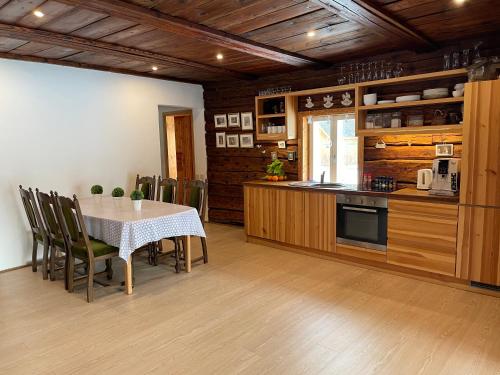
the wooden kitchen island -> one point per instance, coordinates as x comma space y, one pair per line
422, 228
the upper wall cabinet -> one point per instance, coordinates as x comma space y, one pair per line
480, 175
276, 117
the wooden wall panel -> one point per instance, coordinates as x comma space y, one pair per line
236, 96
478, 248
480, 179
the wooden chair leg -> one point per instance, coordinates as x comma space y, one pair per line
90, 282
71, 273
177, 256
204, 247
45, 260
52, 269
66, 270
33, 255
109, 269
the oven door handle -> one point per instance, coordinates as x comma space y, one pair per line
349, 208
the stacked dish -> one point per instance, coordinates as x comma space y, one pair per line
407, 98
436, 93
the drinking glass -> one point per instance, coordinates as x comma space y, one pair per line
382, 72
456, 60
398, 70
363, 76
375, 71
446, 62
388, 71
357, 73
465, 58
351, 74
341, 79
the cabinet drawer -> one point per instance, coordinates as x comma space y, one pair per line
422, 236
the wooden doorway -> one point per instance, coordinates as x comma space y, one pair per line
179, 147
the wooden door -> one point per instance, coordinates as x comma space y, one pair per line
478, 249
480, 173
422, 236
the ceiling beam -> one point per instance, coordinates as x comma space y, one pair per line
73, 64
366, 13
127, 53
180, 26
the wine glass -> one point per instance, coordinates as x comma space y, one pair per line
357, 73
388, 71
351, 74
398, 70
375, 71
342, 77
363, 76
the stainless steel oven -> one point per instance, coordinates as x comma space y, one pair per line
362, 221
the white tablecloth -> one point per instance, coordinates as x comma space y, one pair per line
116, 223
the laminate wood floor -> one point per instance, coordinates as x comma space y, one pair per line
251, 310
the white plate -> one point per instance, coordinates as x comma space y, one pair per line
441, 89
407, 98
386, 101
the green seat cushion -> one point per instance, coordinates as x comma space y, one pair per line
100, 248
168, 193
39, 237
59, 242
194, 197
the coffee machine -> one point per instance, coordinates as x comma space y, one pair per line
445, 176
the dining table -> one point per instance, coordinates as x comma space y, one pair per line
116, 222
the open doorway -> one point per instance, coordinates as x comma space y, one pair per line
179, 146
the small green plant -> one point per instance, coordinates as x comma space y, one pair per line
117, 192
137, 195
275, 168
96, 189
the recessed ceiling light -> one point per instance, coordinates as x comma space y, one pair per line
38, 13
155, 68
220, 56
311, 33
459, 2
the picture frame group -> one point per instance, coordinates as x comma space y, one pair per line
242, 120
233, 140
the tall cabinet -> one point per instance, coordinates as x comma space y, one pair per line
478, 247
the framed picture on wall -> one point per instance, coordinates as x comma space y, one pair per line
246, 140
234, 120
220, 121
220, 140
247, 121
232, 140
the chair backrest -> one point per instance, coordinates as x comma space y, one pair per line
32, 212
167, 190
72, 224
147, 185
195, 195
49, 216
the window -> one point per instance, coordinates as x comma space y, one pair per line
333, 148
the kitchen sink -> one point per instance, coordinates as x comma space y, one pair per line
328, 185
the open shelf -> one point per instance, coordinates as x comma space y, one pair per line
415, 78
273, 115
426, 129
416, 103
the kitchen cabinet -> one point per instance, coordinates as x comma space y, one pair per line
422, 235
478, 249
298, 218
480, 174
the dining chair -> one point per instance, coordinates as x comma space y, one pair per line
195, 195
166, 192
147, 185
80, 246
54, 233
38, 231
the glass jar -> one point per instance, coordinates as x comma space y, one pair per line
396, 120
369, 122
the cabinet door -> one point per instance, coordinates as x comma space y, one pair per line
478, 257
275, 214
422, 236
320, 221
480, 174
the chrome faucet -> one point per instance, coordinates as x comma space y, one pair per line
323, 177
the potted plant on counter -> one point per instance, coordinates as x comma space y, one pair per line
137, 196
117, 192
275, 171
96, 192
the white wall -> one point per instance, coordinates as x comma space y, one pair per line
65, 129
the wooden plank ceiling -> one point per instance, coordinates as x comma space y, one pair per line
256, 37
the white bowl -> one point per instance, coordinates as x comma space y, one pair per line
459, 86
370, 99
386, 101
408, 98
458, 93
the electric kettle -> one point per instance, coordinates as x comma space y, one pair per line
424, 179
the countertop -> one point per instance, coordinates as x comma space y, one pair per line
403, 194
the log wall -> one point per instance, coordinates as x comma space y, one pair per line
229, 168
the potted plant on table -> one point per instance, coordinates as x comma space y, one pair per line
275, 171
137, 196
117, 192
96, 191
